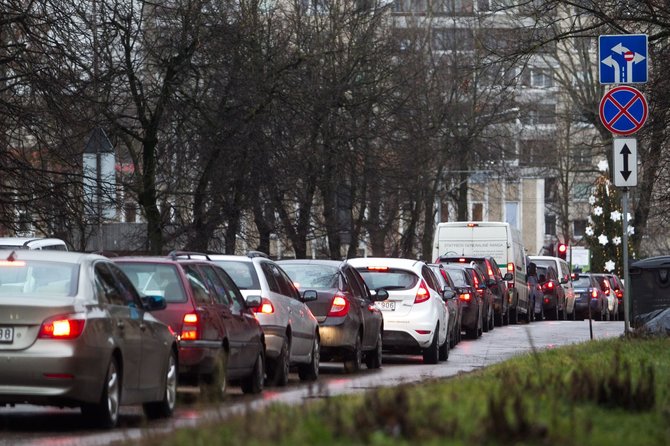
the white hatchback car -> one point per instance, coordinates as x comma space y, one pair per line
291, 330
415, 316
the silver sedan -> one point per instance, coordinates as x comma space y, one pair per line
75, 332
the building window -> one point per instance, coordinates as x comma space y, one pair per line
582, 191
512, 213
541, 78
550, 190
581, 154
579, 228
453, 39
550, 224
457, 7
477, 212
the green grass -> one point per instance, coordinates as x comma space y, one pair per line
600, 393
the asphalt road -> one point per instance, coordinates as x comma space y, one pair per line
31, 425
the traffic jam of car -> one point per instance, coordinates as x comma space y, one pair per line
86, 331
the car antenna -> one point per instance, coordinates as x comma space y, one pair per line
12, 256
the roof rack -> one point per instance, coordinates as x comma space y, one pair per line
188, 254
252, 254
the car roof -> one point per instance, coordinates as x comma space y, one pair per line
27, 241
385, 261
51, 256
313, 262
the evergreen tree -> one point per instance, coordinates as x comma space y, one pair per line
604, 234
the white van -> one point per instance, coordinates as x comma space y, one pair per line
51, 244
489, 239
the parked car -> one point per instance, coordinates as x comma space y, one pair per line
495, 282
472, 303
590, 299
454, 305
291, 330
553, 296
617, 286
220, 339
564, 277
606, 285
35, 243
75, 332
415, 316
350, 323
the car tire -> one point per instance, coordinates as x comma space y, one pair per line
485, 322
355, 360
213, 386
105, 413
373, 358
514, 316
480, 325
280, 367
253, 383
165, 408
310, 371
431, 355
444, 348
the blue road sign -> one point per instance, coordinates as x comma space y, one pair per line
623, 59
623, 110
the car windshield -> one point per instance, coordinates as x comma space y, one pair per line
388, 278
155, 279
458, 277
242, 273
30, 277
581, 282
312, 276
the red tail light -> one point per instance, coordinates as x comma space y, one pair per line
190, 327
265, 307
594, 294
619, 294
63, 327
510, 269
422, 294
462, 260
465, 297
339, 306
548, 287
546, 300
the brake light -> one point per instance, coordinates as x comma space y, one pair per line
472, 225
12, 263
607, 291
619, 294
265, 307
378, 268
549, 286
465, 297
546, 300
296, 285
190, 327
510, 269
422, 294
462, 260
594, 294
62, 327
339, 306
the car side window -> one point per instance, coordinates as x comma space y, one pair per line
237, 302
285, 285
353, 283
270, 277
428, 277
293, 292
217, 286
111, 290
201, 293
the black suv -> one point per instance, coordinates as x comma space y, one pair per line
494, 281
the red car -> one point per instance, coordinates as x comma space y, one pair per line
220, 339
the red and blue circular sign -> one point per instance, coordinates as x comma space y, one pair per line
623, 110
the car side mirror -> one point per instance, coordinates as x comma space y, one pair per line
154, 303
448, 293
508, 276
309, 296
380, 295
254, 301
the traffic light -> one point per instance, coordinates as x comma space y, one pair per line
562, 251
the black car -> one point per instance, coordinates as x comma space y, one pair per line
495, 282
554, 304
452, 301
350, 324
589, 297
472, 304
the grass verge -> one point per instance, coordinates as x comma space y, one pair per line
607, 392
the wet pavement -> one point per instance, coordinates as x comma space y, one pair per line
31, 425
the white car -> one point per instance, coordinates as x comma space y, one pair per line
415, 316
291, 330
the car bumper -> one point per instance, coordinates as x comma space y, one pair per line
469, 318
338, 334
197, 357
274, 339
549, 302
53, 373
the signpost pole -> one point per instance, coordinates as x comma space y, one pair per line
626, 282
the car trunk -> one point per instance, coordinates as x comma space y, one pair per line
400, 284
321, 306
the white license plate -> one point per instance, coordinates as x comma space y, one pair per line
6, 334
387, 306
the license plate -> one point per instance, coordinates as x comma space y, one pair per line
387, 306
6, 334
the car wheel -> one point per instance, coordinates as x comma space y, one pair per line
310, 371
373, 359
491, 320
485, 322
280, 367
444, 349
431, 355
165, 408
353, 363
254, 382
213, 386
480, 325
514, 316
105, 413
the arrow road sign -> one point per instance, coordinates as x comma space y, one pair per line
625, 162
623, 59
623, 110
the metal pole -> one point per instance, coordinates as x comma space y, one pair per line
626, 282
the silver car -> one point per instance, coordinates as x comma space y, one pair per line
291, 330
75, 332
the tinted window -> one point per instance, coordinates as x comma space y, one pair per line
458, 277
357, 291
220, 293
243, 273
285, 285
582, 282
155, 279
390, 279
269, 277
108, 287
198, 285
312, 276
36, 277
237, 302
